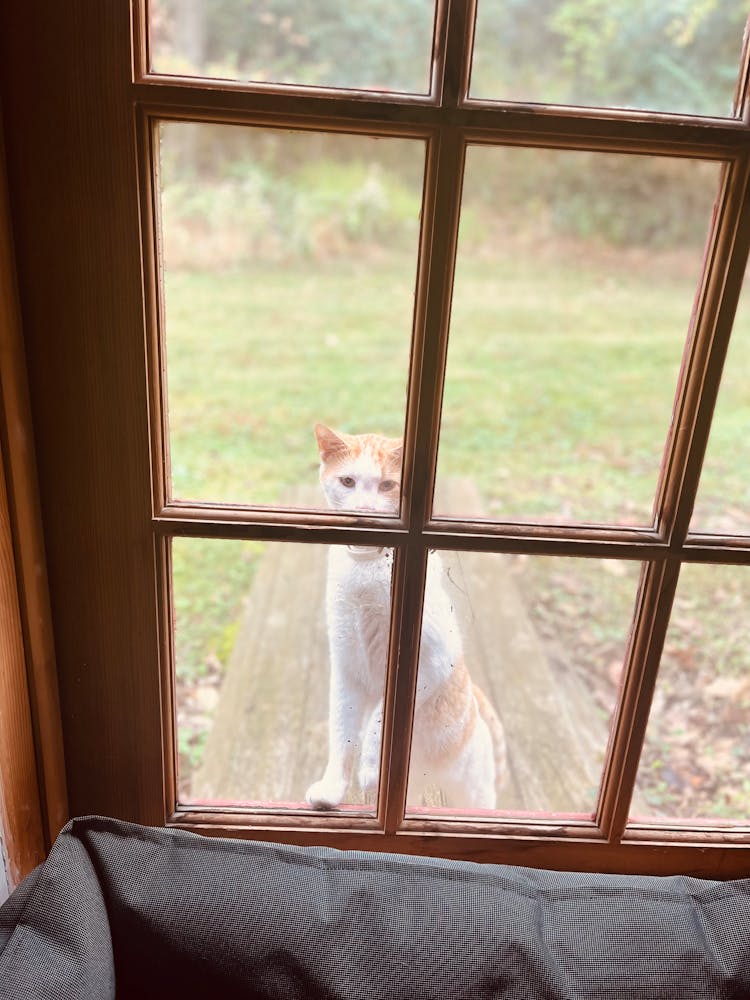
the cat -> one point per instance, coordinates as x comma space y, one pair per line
458, 741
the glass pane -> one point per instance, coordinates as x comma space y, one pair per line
673, 56
252, 652
564, 351
518, 676
696, 758
382, 45
723, 502
288, 281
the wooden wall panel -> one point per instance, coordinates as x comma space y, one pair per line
65, 76
16, 435
20, 815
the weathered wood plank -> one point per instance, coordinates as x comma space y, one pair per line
548, 720
268, 741
269, 738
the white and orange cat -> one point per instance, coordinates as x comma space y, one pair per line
458, 742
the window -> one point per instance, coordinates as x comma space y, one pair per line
538, 296
547, 388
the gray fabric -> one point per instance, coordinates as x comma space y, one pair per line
162, 912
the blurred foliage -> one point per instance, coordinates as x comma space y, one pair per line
675, 55
383, 45
230, 195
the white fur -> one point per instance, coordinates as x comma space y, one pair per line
358, 606
358, 614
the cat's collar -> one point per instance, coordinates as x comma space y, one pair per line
365, 553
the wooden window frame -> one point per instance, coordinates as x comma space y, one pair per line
118, 99
448, 121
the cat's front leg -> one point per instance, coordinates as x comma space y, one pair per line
345, 711
369, 761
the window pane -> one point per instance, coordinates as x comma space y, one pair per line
252, 665
289, 270
723, 502
524, 652
383, 45
668, 56
696, 758
564, 350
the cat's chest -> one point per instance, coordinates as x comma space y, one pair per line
360, 580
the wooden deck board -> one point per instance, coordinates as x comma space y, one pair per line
269, 737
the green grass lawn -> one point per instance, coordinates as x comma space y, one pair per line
561, 379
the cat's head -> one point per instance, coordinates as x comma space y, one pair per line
360, 472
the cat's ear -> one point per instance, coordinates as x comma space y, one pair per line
397, 449
330, 443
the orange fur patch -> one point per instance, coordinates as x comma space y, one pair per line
451, 715
336, 448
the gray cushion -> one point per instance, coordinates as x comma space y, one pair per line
158, 912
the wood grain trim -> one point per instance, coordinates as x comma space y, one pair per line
21, 827
475, 536
458, 52
689, 832
734, 549
141, 44
17, 441
651, 619
713, 328
409, 572
293, 119
439, 45
742, 95
648, 857
531, 123
72, 176
547, 541
442, 201
167, 661
147, 152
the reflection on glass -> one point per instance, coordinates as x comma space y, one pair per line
565, 350
723, 502
519, 670
680, 57
279, 689
289, 269
383, 45
696, 758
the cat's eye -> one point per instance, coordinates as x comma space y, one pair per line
347, 481
387, 485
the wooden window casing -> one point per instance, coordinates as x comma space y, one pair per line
447, 133
135, 697
33, 805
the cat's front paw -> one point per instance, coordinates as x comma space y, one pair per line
325, 794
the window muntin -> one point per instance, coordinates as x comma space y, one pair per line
695, 763
564, 353
447, 128
682, 58
289, 261
383, 45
